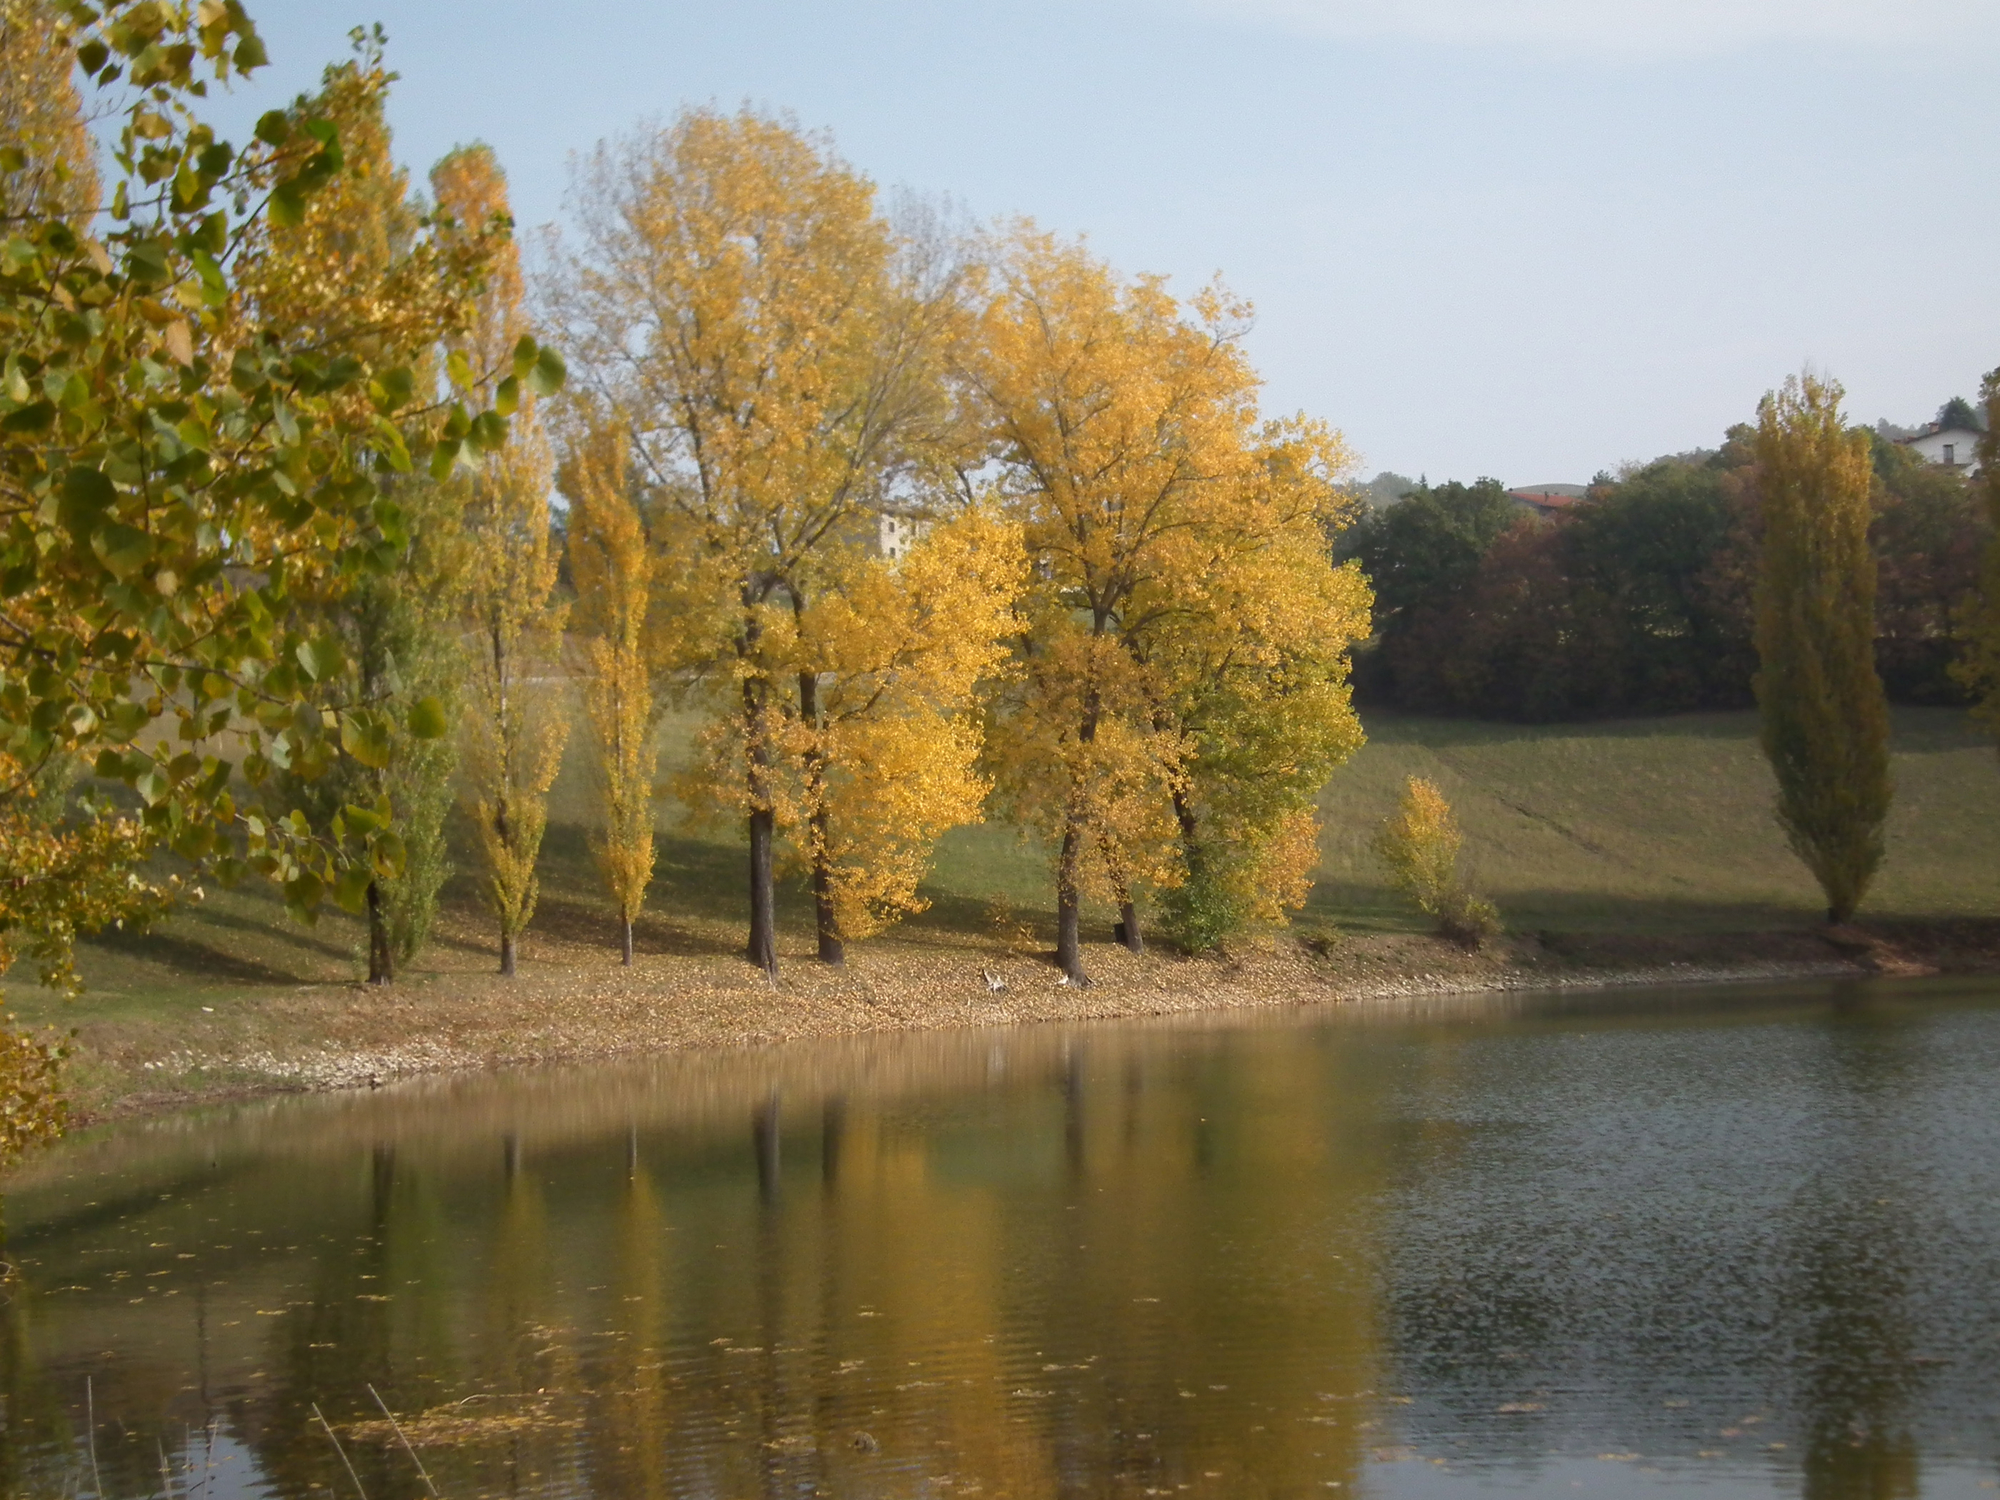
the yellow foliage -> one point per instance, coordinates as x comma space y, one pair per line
774, 352
514, 730
362, 270
1182, 689
1419, 846
612, 570
41, 115
1119, 421
888, 764
61, 880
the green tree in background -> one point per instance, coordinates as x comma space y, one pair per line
1961, 413
1825, 717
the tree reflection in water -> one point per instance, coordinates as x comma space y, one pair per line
1260, 1260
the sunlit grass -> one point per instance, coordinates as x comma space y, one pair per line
1652, 826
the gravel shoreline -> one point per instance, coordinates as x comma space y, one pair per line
331, 1037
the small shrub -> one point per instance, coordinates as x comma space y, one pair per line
1201, 912
1419, 845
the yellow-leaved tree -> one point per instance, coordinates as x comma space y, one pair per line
1255, 671
886, 759
1418, 846
774, 348
611, 567
514, 728
1184, 621
41, 117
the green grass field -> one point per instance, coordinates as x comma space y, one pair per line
1653, 826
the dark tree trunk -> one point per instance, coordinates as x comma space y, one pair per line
381, 957
1069, 956
625, 935
832, 947
763, 948
507, 955
1128, 927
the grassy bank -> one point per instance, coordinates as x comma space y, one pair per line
1606, 846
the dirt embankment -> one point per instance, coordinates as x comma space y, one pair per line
346, 1036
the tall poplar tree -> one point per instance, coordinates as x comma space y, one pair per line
774, 352
514, 729
1825, 717
612, 567
342, 273
41, 117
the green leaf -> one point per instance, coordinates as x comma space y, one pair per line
361, 820
524, 357
37, 418
123, 549
427, 719
250, 53
86, 496
13, 159
273, 129
388, 856
459, 369
507, 397
550, 372
489, 432
366, 739
443, 457
288, 205
319, 658
351, 890
303, 895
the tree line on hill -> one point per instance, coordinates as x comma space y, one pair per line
1640, 598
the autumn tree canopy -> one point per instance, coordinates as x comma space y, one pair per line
1183, 601
773, 349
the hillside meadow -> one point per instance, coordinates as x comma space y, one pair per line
1649, 827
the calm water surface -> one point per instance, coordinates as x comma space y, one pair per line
1743, 1241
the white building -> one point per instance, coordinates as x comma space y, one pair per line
896, 532
1955, 448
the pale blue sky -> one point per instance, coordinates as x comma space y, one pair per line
1526, 238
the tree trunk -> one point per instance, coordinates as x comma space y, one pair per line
381, 957
506, 954
763, 947
832, 947
1128, 927
1069, 956
625, 935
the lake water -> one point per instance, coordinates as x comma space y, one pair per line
1739, 1240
